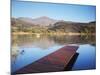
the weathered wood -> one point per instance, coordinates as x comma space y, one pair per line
56, 61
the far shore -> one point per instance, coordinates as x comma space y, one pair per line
58, 33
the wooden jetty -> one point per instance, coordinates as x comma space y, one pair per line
53, 62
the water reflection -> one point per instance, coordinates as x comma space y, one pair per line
33, 41
48, 41
86, 59
29, 48
14, 52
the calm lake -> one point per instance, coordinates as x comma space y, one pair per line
30, 48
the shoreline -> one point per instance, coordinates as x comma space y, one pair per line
27, 33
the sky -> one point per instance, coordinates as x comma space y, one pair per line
67, 12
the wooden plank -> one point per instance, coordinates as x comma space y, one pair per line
53, 62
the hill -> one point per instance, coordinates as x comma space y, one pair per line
45, 24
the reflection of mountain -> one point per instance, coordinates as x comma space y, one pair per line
49, 41
33, 41
74, 39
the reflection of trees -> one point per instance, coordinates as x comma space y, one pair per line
32, 40
14, 52
74, 39
45, 41
91, 39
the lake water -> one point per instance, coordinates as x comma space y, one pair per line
30, 48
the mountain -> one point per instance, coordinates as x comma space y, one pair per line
65, 26
24, 22
43, 21
45, 24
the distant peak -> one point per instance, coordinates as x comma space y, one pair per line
24, 18
44, 17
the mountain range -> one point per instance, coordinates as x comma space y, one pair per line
52, 24
44, 21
